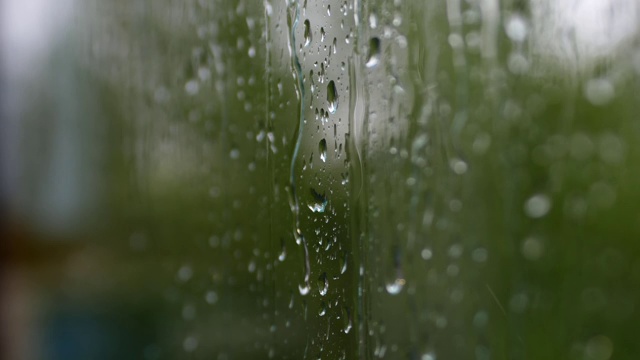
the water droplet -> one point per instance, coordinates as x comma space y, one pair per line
516, 28
304, 289
283, 253
332, 97
395, 286
319, 203
343, 263
518, 63
192, 87
322, 148
307, 32
599, 348
373, 57
190, 344
346, 318
211, 297
458, 166
599, 91
519, 303
185, 273
537, 206
189, 312
373, 21
323, 284
480, 255
532, 248
428, 356
323, 309
481, 319
322, 34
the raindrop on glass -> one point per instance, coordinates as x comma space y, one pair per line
537, 206
322, 148
307, 33
516, 28
373, 57
395, 286
532, 248
599, 92
323, 284
332, 97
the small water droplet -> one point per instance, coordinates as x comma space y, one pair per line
190, 344
322, 148
343, 263
428, 356
185, 273
211, 297
537, 206
346, 318
480, 255
458, 166
307, 32
322, 34
323, 309
373, 57
373, 21
599, 92
332, 97
395, 286
532, 248
323, 284
283, 253
516, 28
304, 289
599, 348
519, 303
192, 87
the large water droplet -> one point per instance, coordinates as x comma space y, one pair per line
319, 203
373, 57
323, 284
322, 148
307, 32
332, 97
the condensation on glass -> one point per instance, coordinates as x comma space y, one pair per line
351, 179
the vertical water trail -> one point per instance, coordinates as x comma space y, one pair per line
295, 205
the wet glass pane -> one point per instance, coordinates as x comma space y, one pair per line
306, 179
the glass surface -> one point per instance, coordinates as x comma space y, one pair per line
306, 179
